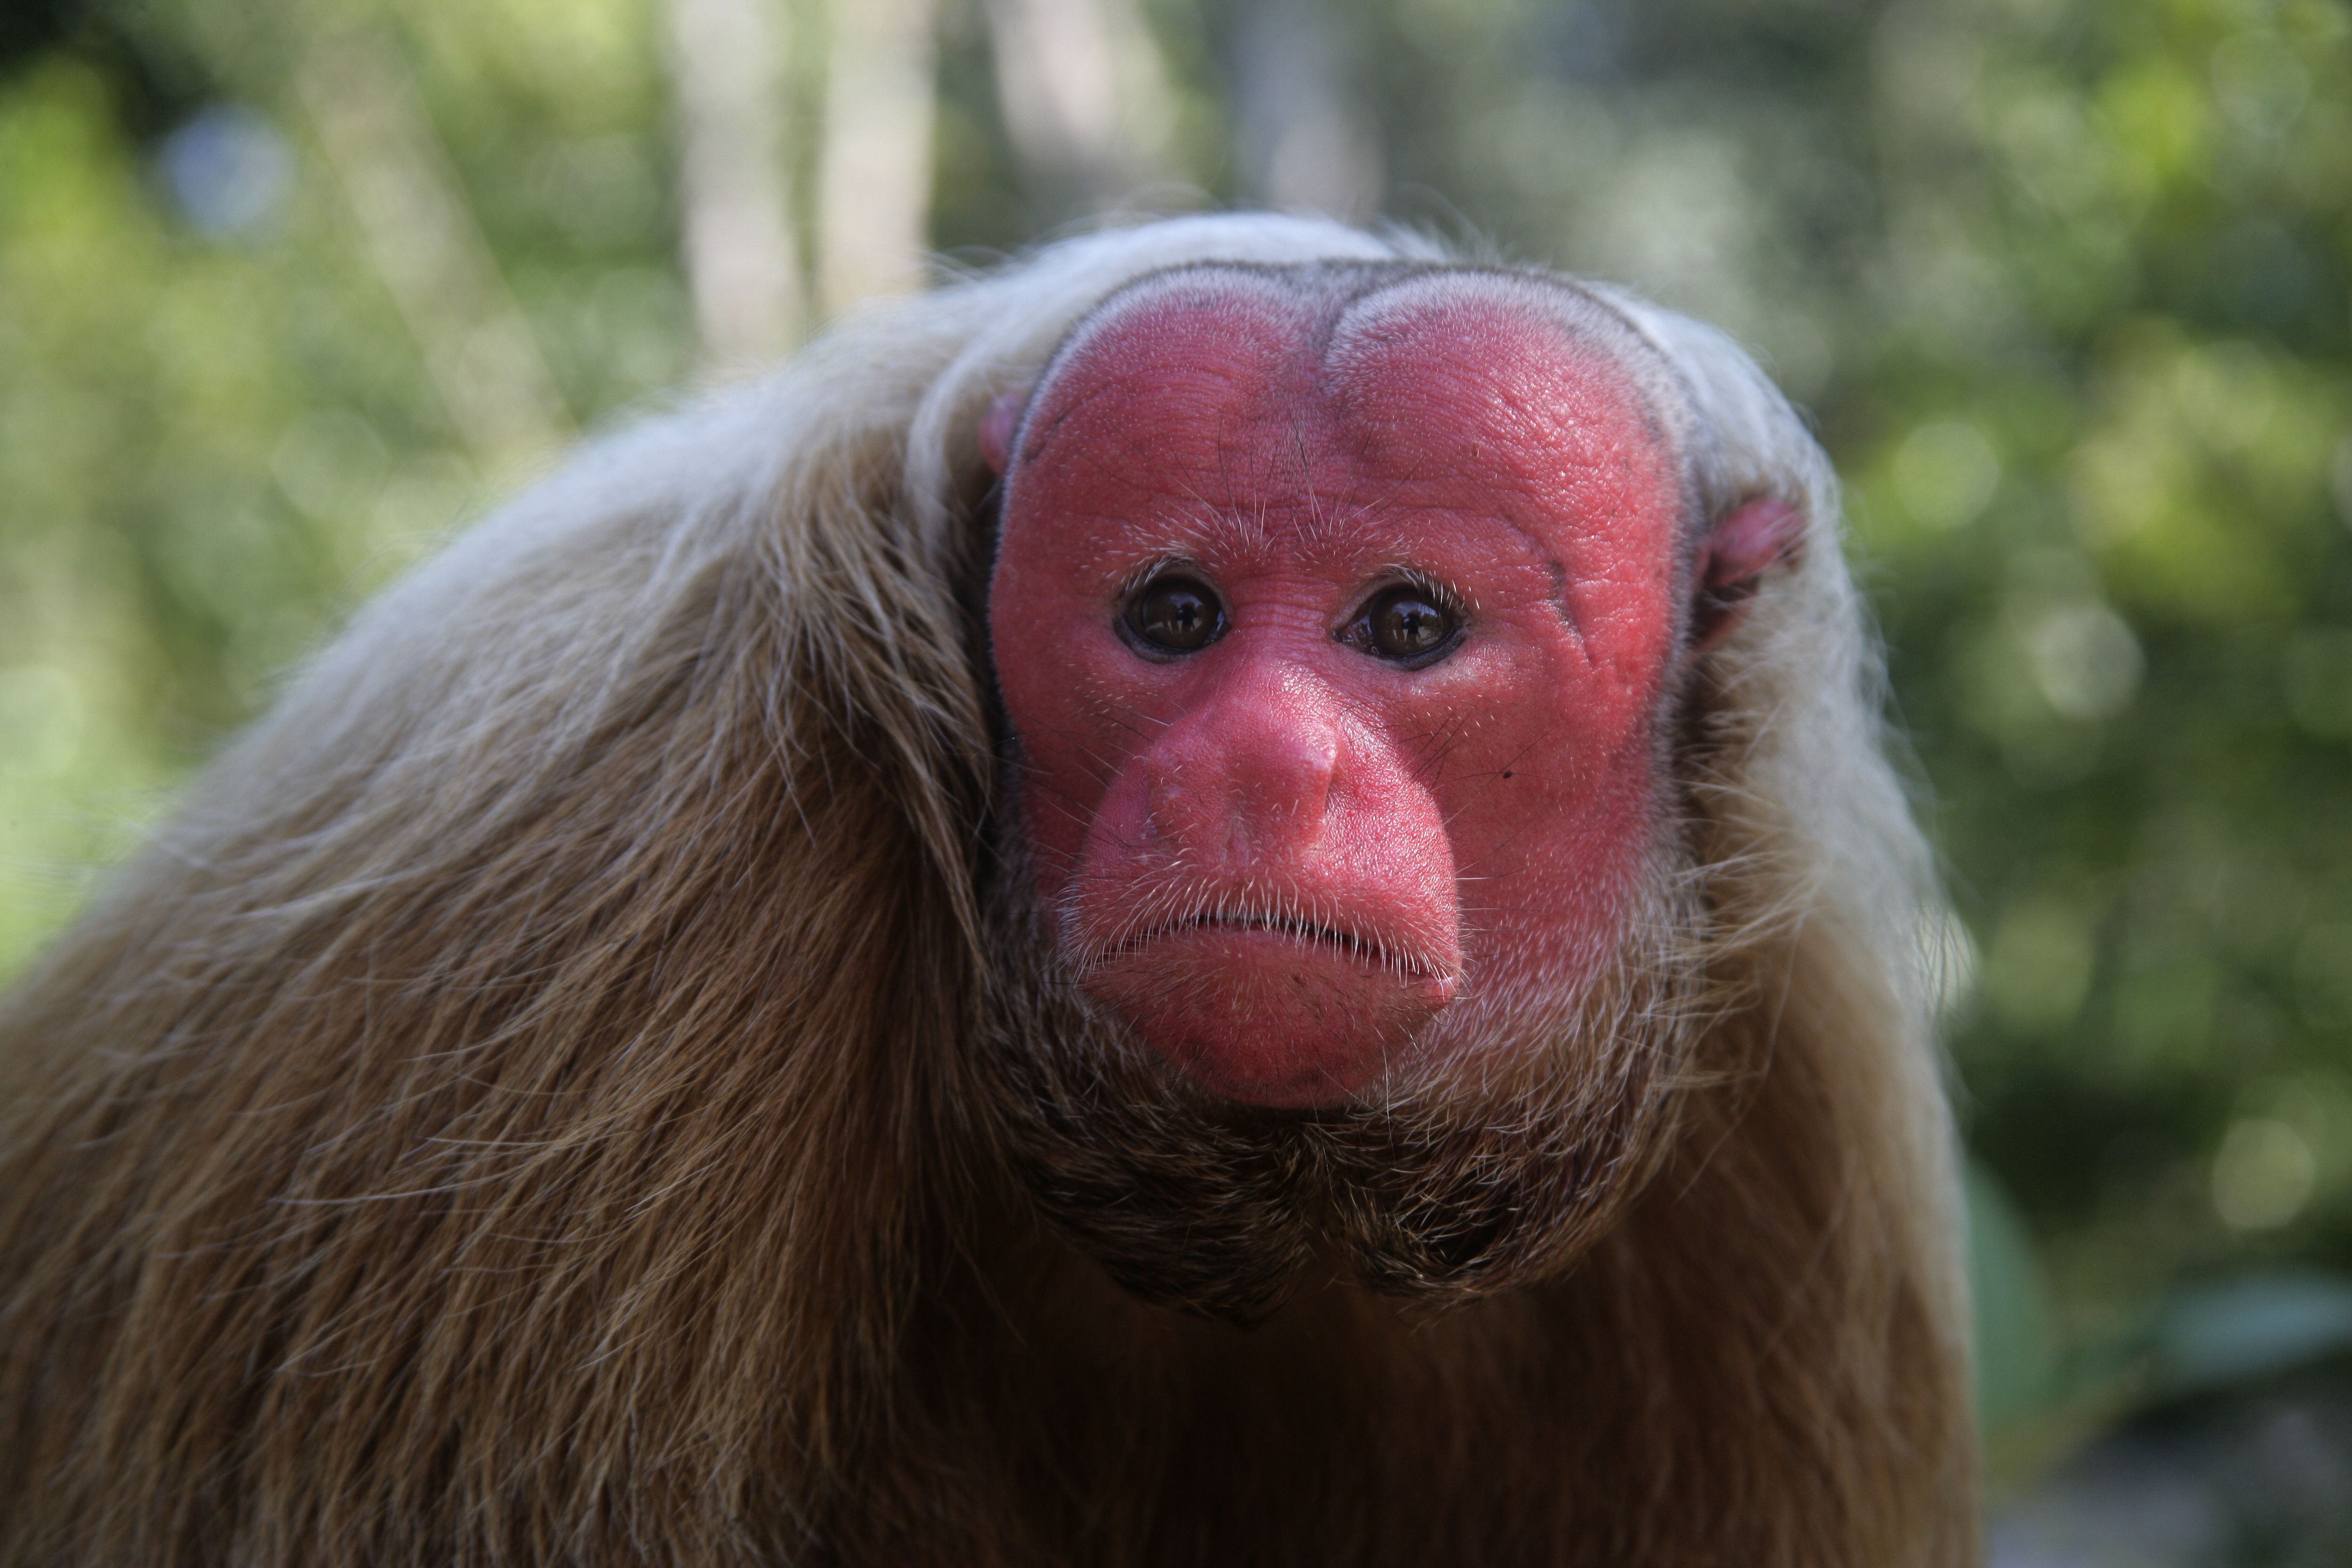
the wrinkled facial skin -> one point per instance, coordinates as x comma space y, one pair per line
1291, 863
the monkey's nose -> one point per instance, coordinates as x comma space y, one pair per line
1246, 781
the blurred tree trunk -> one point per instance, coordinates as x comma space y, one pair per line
727, 61
1302, 141
875, 167
1085, 96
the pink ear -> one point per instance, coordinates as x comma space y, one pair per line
998, 427
1735, 553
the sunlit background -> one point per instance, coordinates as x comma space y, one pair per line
287, 290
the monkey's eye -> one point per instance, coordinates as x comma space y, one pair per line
1405, 624
1175, 615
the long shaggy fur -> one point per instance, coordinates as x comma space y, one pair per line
542, 1098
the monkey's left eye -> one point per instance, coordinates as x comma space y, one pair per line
1175, 615
1407, 625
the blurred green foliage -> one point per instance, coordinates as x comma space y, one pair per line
215, 433
2066, 283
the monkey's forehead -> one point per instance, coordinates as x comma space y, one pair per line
1247, 387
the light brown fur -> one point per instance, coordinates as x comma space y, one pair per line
522, 1111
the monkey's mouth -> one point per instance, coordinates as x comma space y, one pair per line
1398, 959
1346, 943
1268, 1006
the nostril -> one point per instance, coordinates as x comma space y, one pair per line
1166, 804
1247, 789
1293, 778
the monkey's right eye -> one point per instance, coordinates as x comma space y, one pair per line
1175, 615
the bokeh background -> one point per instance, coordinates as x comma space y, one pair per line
290, 289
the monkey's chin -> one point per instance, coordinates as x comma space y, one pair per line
1268, 1017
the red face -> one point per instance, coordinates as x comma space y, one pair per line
1333, 640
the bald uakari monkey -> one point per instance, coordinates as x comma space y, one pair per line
1229, 898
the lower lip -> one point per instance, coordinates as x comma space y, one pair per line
1271, 1016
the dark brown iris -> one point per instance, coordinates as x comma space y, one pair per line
1406, 624
1176, 615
